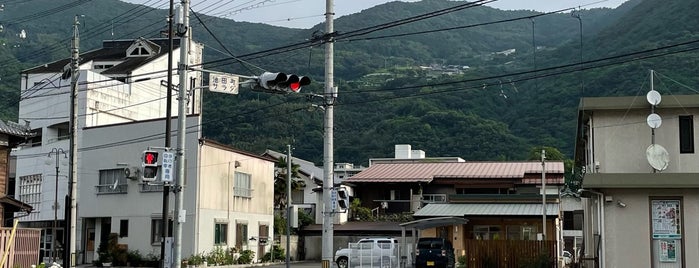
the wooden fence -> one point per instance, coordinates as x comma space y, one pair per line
509, 253
23, 251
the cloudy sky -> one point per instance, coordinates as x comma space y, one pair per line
306, 13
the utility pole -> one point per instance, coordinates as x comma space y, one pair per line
168, 137
328, 180
182, 121
543, 193
288, 204
68, 259
57, 152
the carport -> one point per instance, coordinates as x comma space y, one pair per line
418, 225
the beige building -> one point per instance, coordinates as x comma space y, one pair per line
639, 184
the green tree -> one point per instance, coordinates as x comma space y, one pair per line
280, 182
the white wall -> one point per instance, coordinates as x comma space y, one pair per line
217, 203
106, 147
622, 137
628, 229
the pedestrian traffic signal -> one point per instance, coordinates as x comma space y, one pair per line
342, 198
150, 165
281, 82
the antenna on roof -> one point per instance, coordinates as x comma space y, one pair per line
657, 156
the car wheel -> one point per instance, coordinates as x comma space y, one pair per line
342, 262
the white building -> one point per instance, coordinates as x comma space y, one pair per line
121, 106
640, 201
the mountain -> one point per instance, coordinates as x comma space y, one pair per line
441, 84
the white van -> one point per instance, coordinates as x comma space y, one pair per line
379, 252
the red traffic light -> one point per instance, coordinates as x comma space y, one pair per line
281, 82
150, 158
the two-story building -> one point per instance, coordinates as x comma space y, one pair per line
639, 177
121, 110
498, 201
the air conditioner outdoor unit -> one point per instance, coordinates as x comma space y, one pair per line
131, 172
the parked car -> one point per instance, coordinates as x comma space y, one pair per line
434, 252
379, 252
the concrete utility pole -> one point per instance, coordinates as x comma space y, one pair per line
543, 193
180, 214
168, 137
56, 152
288, 205
68, 260
328, 180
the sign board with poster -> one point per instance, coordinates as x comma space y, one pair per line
666, 233
666, 219
668, 251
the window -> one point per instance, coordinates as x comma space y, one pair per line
123, 228
486, 232
156, 230
241, 235
30, 190
572, 220
36, 140
63, 131
521, 232
221, 234
686, 134
242, 185
112, 181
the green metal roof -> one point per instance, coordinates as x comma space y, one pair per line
460, 210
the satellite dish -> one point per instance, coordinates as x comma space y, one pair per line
654, 120
657, 156
653, 97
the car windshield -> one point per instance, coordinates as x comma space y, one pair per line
429, 244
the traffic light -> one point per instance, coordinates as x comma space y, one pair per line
282, 83
343, 198
150, 165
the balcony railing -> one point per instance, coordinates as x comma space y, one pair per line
112, 188
147, 188
434, 198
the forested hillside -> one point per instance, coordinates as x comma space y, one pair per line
467, 83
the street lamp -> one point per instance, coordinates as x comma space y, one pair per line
56, 152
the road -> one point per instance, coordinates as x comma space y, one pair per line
301, 264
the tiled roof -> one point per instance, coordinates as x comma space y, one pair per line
111, 50
426, 172
15, 129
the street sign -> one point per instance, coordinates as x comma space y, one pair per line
168, 167
333, 199
223, 83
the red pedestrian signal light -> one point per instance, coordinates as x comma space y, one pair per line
150, 158
150, 165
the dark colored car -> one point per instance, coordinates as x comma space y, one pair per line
434, 252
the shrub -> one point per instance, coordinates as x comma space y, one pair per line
217, 256
246, 256
196, 259
279, 254
134, 258
462, 261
